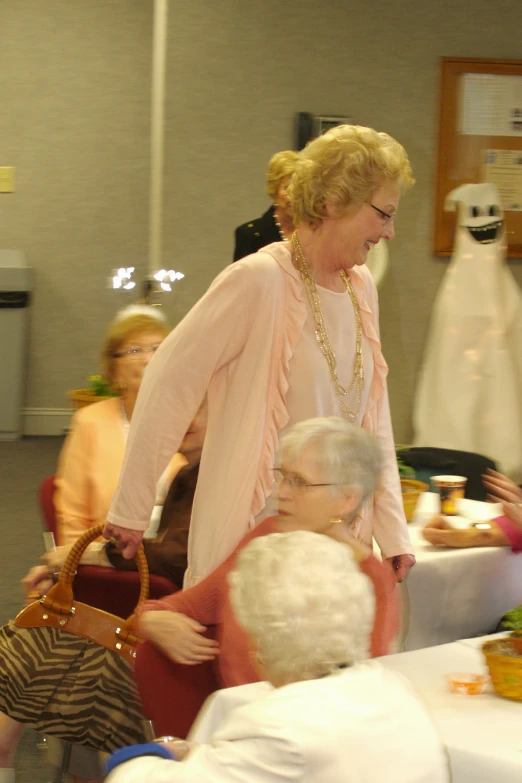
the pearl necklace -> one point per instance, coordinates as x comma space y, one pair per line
278, 225
322, 334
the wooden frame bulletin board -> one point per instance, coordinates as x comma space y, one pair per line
479, 114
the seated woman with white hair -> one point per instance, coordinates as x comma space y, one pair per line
324, 713
329, 470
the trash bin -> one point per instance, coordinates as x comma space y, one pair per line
15, 294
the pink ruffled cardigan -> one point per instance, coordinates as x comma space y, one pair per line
236, 344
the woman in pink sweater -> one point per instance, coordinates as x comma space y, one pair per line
284, 335
329, 468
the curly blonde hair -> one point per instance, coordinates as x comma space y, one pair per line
280, 165
344, 167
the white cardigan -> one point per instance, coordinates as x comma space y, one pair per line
361, 725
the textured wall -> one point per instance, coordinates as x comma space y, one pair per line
75, 86
75, 78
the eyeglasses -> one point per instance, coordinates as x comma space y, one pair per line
386, 218
296, 482
136, 351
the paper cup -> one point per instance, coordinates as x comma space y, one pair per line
450, 489
468, 684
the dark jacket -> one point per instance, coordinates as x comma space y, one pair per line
252, 236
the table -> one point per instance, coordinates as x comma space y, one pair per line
457, 593
482, 734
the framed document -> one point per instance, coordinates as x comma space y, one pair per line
480, 140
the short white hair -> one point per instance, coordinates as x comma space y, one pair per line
303, 599
348, 455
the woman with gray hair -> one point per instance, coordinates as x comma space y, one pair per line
328, 470
283, 335
323, 714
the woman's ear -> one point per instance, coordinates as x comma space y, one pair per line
351, 499
329, 210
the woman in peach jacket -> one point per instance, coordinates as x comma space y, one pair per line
283, 335
91, 458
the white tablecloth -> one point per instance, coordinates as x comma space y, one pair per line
482, 734
456, 593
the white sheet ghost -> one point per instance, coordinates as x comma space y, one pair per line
469, 394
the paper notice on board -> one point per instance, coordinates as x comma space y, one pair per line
504, 169
490, 105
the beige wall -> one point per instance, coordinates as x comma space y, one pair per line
75, 79
74, 119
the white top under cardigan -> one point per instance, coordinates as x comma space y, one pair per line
311, 391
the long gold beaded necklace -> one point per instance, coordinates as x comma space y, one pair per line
322, 335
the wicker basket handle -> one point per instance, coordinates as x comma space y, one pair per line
60, 597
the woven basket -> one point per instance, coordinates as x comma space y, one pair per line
505, 670
411, 491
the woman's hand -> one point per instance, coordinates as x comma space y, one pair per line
55, 558
126, 540
37, 582
439, 532
400, 565
178, 747
40, 578
179, 637
501, 488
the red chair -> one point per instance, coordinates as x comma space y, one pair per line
105, 588
171, 694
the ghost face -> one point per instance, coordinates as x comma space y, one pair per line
484, 222
480, 211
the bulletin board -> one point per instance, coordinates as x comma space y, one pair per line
480, 140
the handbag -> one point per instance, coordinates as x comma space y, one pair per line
66, 667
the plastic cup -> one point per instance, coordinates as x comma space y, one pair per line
468, 684
450, 489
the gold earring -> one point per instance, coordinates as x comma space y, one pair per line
337, 521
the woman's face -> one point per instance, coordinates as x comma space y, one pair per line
352, 236
281, 196
133, 357
303, 506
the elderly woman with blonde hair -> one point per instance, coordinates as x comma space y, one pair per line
88, 469
286, 334
324, 713
277, 222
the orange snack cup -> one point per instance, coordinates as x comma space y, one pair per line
467, 683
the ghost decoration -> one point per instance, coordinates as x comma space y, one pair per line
469, 394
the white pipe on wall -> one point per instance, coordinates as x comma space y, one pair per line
157, 133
